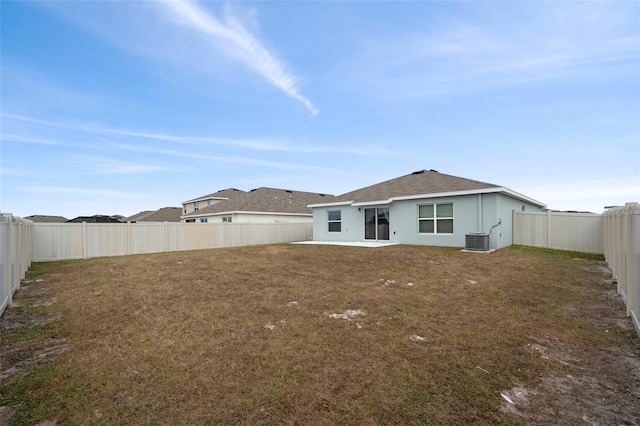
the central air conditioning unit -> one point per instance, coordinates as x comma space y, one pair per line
477, 241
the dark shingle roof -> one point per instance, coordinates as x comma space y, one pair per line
139, 216
98, 218
46, 219
165, 214
417, 183
265, 200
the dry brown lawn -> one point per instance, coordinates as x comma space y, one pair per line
258, 335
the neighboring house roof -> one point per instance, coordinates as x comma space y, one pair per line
222, 194
420, 184
165, 214
139, 216
98, 218
262, 200
46, 219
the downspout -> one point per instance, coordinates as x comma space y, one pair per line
499, 223
480, 218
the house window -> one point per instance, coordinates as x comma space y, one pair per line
226, 219
335, 220
435, 219
190, 220
204, 220
196, 205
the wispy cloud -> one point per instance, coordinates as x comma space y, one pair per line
44, 189
244, 45
108, 166
249, 143
23, 139
462, 57
223, 159
591, 193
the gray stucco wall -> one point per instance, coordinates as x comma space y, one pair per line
472, 213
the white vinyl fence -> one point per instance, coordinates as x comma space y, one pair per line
562, 231
15, 255
622, 253
57, 241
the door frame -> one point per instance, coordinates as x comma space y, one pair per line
376, 224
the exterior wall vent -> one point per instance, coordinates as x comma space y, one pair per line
477, 241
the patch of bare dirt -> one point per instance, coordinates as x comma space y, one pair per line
20, 356
591, 386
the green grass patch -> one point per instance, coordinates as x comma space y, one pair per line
560, 254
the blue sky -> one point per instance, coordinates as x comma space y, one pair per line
114, 107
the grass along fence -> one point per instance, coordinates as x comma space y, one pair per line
622, 253
562, 231
58, 241
15, 255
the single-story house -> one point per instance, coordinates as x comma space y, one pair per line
98, 218
165, 214
423, 207
260, 205
40, 218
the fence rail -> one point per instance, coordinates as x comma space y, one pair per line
15, 255
622, 253
58, 241
563, 231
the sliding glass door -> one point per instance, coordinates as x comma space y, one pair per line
376, 223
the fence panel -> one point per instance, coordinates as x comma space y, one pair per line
622, 253
563, 231
76, 241
105, 239
53, 241
15, 255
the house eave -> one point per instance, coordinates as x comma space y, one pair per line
190, 216
204, 199
492, 190
338, 203
374, 203
498, 189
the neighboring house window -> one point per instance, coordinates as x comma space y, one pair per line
435, 219
335, 220
226, 219
196, 206
190, 220
204, 220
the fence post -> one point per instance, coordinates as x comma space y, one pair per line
84, 240
629, 255
549, 229
129, 237
6, 259
166, 236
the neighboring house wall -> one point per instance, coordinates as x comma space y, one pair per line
243, 217
190, 207
471, 213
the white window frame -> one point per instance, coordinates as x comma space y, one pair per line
435, 219
196, 206
338, 221
227, 219
204, 220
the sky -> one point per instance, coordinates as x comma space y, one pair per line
115, 107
